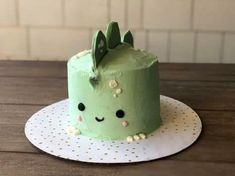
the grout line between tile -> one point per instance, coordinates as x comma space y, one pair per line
222, 48
108, 10
133, 31
90, 36
141, 14
147, 40
195, 43
63, 12
125, 14
168, 49
192, 14
28, 41
138, 29
17, 12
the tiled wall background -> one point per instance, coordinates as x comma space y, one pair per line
175, 30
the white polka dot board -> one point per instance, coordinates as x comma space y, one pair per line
46, 129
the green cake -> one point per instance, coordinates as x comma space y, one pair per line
114, 89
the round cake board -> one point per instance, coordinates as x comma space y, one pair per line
180, 128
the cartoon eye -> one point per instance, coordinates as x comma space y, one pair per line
81, 107
120, 113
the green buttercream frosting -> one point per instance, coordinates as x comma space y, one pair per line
120, 95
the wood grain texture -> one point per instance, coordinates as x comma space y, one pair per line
201, 95
33, 69
17, 114
32, 90
199, 72
46, 165
26, 87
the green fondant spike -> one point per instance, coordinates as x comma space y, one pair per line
99, 48
113, 35
128, 38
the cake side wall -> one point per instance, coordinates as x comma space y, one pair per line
139, 99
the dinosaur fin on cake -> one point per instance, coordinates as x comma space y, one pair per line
98, 48
113, 35
128, 38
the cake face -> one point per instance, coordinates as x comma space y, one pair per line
116, 95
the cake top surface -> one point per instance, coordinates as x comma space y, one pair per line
123, 57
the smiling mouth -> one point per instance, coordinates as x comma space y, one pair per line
99, 119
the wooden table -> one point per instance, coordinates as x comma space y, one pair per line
26, 87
